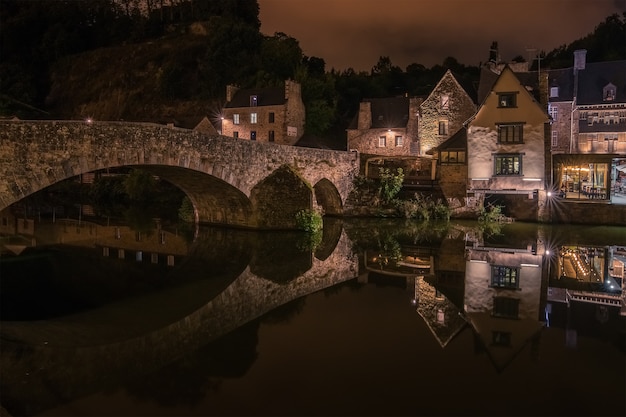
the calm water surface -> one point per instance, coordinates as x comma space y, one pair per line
376, 318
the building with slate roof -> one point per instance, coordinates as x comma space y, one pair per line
385, 126
265, 114
587, 104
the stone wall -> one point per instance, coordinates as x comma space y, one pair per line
218, 173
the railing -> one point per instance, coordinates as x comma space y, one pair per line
595, 298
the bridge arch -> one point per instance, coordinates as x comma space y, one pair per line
227, 179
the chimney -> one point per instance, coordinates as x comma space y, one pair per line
580, 58
231, 90
365, 115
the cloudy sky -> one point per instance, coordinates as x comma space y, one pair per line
355, 33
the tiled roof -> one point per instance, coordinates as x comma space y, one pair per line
564, 80
265, 97
596, 76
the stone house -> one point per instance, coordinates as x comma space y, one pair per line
443, 112
385, 126
587, 105
506, 148
264, 114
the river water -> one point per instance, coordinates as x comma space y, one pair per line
375, 317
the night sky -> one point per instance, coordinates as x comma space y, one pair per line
355, 33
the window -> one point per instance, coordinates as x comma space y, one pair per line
553, 111
235, 119
504, 276
555, 138
443, 127
236, 135
507, 99
445, 102
382, 141
398, 140
253, 117
499, 338
608, 92
554, 91
253, 101
508, 165
270, 136
253, 135
453, 157
271, 117
506, 307
511, 133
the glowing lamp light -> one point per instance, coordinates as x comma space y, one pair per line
89, 120
549, 193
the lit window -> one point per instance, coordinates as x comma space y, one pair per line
445, 102
508, 165
504, 276
555, 138
507, 99
511, 133
235, 119
253, 117
271, 117
443, 127
452, 157
382, 141
398, 140
553, 111
253, 101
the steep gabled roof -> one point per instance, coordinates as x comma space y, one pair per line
596, 76
463, 86
529, 79
271, 96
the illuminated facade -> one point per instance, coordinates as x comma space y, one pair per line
265, 115
587, 105
506, 148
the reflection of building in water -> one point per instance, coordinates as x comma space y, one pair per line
157, 246
591, 275
582, 263
443, 318
503, 297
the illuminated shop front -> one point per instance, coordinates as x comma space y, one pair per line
584, 179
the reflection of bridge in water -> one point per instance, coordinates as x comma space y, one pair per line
38, 355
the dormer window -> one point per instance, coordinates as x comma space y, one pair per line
554, 91
254, 101
608, 92
507, 99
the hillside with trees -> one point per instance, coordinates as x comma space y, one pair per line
171, 61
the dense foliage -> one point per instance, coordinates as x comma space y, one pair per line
160, 62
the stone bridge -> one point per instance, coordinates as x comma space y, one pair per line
230, 181
81, 355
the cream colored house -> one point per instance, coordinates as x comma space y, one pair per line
506, 148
